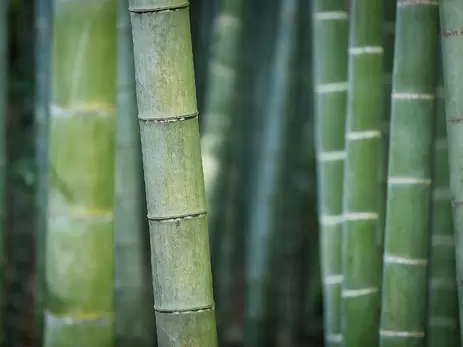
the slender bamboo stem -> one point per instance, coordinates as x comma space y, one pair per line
361, 254
174, 183
260, 255
43, 17
451, 22
442, 320
330, 38
133, 291
79, 240
406, 252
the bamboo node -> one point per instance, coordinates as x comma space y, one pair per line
333, 338
417, 2
363, 135
333, 279
408, 180
177, 218
178, 7
352, 293
412, 96
330, 15
335, 87
360, 216
393, 259
361, 50
331, 156
394, 333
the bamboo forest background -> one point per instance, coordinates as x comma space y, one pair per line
328, 173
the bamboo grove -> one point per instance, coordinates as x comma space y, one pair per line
230, 173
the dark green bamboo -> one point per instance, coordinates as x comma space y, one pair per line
3, 109
43, 18
79, 241
442, 320
133, 291
265, 208
330, 37
406, 248
361, 254
451, 24
175, 194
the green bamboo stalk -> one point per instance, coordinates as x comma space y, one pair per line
451, 22
133, 291
442, 320
406, 249
174, 183
220, 120
388, 62
265, 208
3, 109
43, 17
361, 255
79, 240
330, 38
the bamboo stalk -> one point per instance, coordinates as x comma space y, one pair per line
43, 13
451, 23
442, 320
174, 181
79, 240
330, 38
406, 252
361, 254
133, 291
265, 208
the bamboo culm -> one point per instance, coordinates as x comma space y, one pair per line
43, 18
451, 22
442, 320
361, 254
133, 291
260, 247
174, 183
79, 238
406, 248
330, 39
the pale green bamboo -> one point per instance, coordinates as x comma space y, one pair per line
442, 320
174, 182
451, 23
330, 37
133, 291
361, 254
79, 240
260, 254
3, 110
406, 247
43, 18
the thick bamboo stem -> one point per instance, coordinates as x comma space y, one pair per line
174, 183
330, 38
406, 249
79, 240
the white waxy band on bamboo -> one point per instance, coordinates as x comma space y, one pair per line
335, 87
333, 279
412, 96
365, 50
331, 156
331, 220
352, 293
359, 216
331, 15
393, 259
394, 333
417, 2
441, 194
223, 70
333, 338
442, 322
408, 180
97, 110
441, 144
363, 135
226, 21
447, 283
54, 320
443, 241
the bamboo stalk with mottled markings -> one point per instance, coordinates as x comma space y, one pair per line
451, 23
174, 182
330, 38
361, 254
442, 320
79, 239
406, 249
